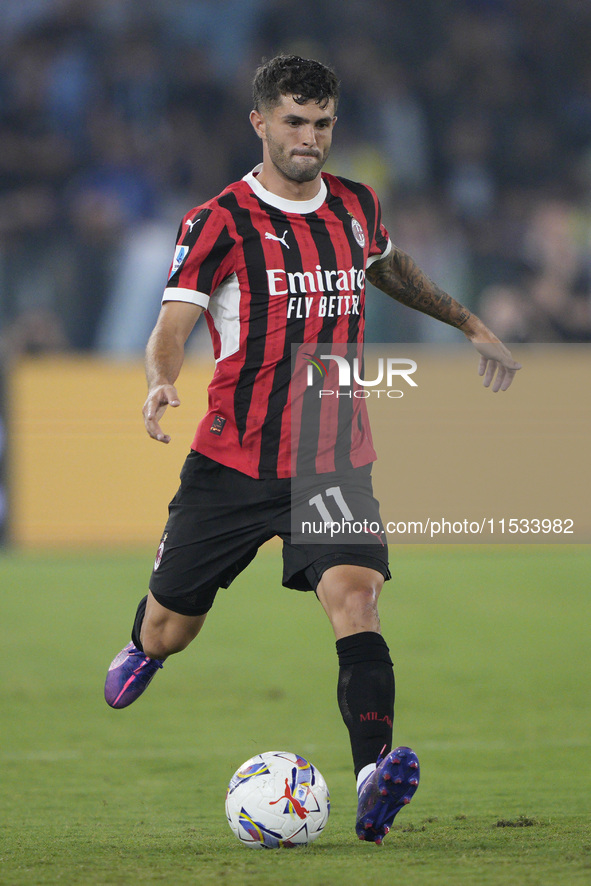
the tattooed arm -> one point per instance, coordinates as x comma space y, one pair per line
399, 277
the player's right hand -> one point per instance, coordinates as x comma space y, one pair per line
156, 402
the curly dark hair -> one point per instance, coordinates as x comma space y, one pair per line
303, 78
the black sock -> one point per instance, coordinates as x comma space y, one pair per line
137, 624
366, 695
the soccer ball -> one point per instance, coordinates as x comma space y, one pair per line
277, 799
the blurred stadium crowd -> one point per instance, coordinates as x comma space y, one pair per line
471, 119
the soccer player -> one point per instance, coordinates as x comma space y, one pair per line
280, 259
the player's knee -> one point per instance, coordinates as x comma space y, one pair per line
351, 588
361, 592
362, 601
349, 595
357, 606
355, 610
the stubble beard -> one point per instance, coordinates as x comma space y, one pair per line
295, 170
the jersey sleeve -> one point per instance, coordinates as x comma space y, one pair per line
203, 257
381, 244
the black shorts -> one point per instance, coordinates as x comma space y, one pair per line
220, 517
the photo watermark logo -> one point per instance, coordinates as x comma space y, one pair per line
390, 371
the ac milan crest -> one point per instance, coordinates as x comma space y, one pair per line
160, 551
358, 232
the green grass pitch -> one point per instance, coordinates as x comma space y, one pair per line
492, 657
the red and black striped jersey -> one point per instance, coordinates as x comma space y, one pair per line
272, 274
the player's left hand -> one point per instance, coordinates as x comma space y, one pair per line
496, 362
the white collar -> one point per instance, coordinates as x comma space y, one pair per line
298, 206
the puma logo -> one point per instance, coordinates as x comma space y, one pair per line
191, 224
278, 239
297, 807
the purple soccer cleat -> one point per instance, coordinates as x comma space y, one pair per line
385, 792
129, 674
